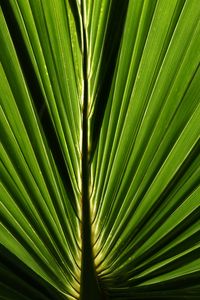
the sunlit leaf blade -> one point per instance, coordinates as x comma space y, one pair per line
135, 67
146, 168
49, 33
39, 223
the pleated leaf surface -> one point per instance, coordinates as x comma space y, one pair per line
135, 66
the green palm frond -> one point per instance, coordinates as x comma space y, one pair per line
100, 152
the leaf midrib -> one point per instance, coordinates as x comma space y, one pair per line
89, 288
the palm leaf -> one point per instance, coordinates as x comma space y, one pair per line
100, 153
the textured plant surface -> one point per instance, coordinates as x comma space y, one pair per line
100, 153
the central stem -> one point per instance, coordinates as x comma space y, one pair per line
89, 284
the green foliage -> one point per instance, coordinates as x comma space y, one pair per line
102, 97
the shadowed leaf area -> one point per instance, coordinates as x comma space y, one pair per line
100, 149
